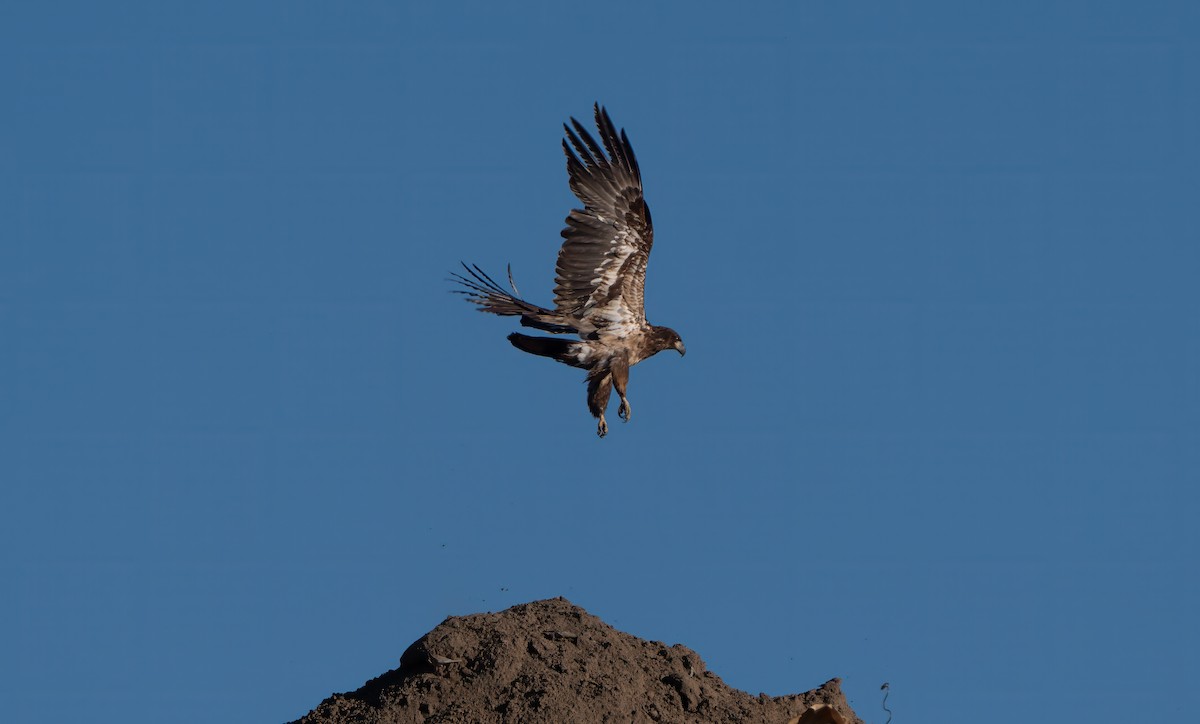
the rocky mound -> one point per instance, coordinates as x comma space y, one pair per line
551, 661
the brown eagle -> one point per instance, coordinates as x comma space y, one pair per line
600, 274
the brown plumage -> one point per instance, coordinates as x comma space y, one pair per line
600, 276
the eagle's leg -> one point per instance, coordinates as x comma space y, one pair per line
599, 390
620, 375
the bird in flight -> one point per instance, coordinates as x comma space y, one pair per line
600, 275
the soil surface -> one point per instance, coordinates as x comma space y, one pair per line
551, 661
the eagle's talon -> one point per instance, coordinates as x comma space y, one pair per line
602, 428
625, 411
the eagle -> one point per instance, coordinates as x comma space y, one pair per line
600, 275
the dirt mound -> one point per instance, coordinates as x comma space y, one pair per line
551, 661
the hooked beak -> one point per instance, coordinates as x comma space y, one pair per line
680, 348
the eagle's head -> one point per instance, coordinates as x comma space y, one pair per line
667, 338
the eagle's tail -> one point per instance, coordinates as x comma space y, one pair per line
564, 351
483, 291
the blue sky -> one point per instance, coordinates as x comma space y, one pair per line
935, 263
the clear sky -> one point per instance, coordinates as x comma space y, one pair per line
936, 265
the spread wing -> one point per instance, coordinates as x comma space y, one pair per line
601, 271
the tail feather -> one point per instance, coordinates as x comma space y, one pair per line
561, 350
